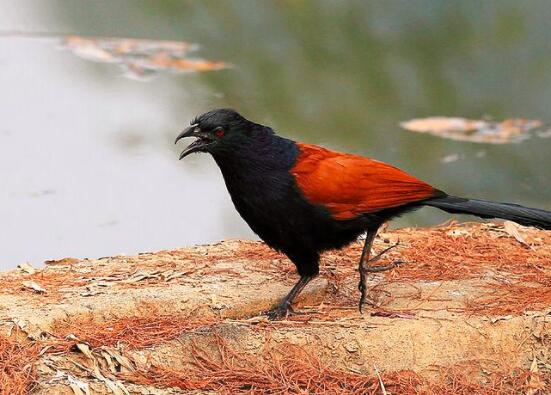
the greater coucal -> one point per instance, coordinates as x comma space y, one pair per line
302, 199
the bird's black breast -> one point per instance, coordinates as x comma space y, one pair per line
267, 197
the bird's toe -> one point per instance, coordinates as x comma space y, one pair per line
279, 313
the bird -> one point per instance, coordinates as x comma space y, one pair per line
302, 199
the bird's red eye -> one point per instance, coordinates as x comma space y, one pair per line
219, 132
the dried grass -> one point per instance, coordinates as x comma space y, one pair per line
52, 282
435, 254
17, 372
296, 371
520, 275
135, 332
431, 254
511, 299
467, 379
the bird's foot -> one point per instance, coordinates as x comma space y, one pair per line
365, 297
280, 312
372, 298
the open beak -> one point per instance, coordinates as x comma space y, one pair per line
198, 145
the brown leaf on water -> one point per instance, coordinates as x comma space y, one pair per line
140, 58
544, 134
477, 131
450, 158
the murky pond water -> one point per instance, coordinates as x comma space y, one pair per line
87, 162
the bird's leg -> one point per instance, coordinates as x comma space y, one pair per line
282, 310
364, 268
362, 286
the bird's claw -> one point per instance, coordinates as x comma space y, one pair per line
365, 298
280, 312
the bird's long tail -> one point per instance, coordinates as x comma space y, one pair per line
484, 209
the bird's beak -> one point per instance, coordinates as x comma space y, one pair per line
198, 145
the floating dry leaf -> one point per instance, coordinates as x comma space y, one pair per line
140, 58
450, 158
477, 131
34, 286
544, 134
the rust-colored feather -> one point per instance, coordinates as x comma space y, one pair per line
351, 185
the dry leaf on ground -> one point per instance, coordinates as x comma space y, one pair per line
535, 383
34, 286
513, 230
26, 267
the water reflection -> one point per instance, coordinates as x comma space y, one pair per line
87, 161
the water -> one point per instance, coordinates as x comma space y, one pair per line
87, 162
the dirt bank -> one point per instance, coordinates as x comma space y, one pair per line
467, 312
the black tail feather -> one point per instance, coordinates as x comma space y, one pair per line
484, 209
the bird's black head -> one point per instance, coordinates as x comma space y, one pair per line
217, 131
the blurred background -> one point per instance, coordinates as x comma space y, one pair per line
87, 162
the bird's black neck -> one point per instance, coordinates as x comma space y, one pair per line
263, 153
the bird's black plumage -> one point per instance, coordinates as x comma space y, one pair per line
257, 175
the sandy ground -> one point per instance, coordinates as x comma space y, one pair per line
468, 312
